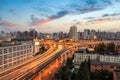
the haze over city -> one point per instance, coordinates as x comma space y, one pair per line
59, 15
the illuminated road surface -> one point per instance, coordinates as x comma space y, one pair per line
17, 73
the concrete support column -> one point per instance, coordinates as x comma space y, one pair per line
65, 56
50, 70
61, 59
40, 76
56, 62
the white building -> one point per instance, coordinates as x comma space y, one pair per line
73, 33
83, 55
16, 54
110, 58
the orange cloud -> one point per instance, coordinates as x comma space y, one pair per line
99, 21
8, 23
41, 23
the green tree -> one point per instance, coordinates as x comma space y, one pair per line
83, 73
69, 63
100, 47
74, 76
111, 47
89, 64
63, 73
102, 75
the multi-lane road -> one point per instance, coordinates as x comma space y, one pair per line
19, 72
28, 69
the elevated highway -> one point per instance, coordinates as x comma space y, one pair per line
41, 66
17, 71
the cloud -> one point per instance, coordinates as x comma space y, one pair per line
12, 11
6, 23
7, 26
88, 18
49, 11
38, 22
55, 12
34, 20
59, 15
101, 21
104, 15
114, 14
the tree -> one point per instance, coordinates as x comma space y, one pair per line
89, 64
111, 47
69, 63
102, 75
63, 73
100, 47
83, 73
74, 76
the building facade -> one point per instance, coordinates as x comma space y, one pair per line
73, 33
98, 66
14, 55
86, 34
82, 55
110, 58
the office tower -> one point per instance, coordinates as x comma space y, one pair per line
86, 34
73, 33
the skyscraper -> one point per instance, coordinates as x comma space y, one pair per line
73, 33
86, 34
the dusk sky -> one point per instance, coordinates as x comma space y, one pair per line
59, 15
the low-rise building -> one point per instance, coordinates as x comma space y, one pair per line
110, 58
15, 54
98, 66
83, 54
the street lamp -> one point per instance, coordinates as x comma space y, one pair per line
95, 37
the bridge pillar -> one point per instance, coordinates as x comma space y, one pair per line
56, 62
40, 76
61, 58
65, 56
50, 69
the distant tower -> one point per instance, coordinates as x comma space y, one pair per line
86, 34
73, 33
32, 33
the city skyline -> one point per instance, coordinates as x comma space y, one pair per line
49, 16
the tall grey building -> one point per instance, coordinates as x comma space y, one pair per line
86, 34
73, 33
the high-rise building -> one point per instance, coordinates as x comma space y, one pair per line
73, 33
86, 34
118, 35
33, 33
92, 34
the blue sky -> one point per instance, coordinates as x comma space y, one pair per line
59, 15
